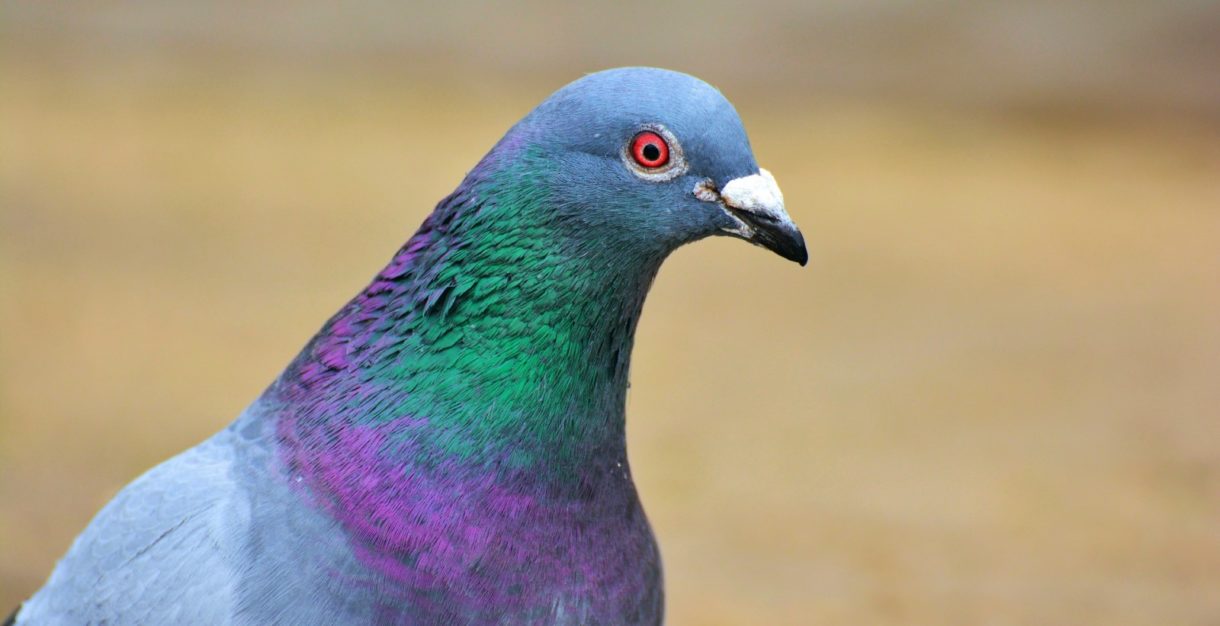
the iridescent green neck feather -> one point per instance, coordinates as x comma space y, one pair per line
495, 329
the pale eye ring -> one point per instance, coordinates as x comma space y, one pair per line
653, 154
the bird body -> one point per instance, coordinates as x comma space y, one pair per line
449, 448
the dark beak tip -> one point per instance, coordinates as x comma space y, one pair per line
781, 237
795, 249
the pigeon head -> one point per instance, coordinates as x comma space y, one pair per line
644, 160
506, 323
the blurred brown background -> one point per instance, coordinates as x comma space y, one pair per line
992, 398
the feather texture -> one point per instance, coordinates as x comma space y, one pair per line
449, 448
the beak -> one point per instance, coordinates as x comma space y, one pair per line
757, 207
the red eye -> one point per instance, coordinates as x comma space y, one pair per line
649, 149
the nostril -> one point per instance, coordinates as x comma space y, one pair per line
756, 193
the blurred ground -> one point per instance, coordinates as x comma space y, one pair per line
990, 399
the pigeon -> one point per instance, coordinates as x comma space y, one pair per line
449, 448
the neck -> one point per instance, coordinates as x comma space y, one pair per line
463, 416
489, 340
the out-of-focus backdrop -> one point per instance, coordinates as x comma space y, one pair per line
993, 397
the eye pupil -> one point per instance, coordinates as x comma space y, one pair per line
650, 150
